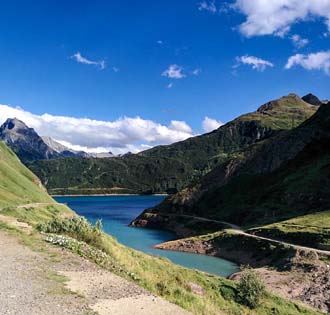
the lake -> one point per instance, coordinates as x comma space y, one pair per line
117, 212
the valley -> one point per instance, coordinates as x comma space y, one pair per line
263, 202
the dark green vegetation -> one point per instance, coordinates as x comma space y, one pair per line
23, 198
171, 168
285, 176
251, 288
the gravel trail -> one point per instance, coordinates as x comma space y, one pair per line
26, 286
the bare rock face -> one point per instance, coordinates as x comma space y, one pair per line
24, 141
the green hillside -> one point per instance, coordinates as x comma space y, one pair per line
171, 168
276, 179
23, 198
21, 192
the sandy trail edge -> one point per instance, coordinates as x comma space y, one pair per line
116, 296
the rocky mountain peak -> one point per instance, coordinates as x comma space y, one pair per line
285, 100
312, 99
14, 124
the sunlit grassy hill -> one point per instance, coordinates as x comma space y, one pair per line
21, 192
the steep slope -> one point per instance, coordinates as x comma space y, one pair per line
279, 178
171, 168
21, 192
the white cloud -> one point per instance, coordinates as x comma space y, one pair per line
170, 85
207, 6
174, 72
180, 126
275, 17
115, 69
160, 42
315, 61
197, 72
80, 59
298, 41
255, 62
210, 124
119, 136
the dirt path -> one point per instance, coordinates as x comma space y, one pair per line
28, 284
112, 294
238, 229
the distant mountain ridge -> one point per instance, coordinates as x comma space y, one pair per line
170, 168
29, 146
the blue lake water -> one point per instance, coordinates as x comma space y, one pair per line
117, 212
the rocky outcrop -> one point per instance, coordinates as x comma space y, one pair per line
312, 99
24, 141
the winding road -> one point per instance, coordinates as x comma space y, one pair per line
239, 230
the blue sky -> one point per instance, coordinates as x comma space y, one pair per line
171, 63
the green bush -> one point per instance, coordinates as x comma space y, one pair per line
251, 288
75, 227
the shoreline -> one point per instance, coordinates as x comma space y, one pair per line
104, 195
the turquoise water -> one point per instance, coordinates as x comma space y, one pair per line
117, 212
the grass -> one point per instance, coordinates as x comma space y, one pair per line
311, 230
164, 278
18, 186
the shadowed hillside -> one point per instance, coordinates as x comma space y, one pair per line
278, 178
171, 168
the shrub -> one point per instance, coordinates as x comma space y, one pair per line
75, 227
251, 288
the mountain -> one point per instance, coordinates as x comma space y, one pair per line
312, 99
172, 167
279, 178
25, 203
101, 155
24, 141
29, 146
62, 150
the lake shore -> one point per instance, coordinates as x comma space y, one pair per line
294, 273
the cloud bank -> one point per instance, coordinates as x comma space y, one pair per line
210, 124
276, 17
119, 136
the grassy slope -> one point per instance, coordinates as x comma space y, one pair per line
19, 186
172, 167
311, 230
277, 179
